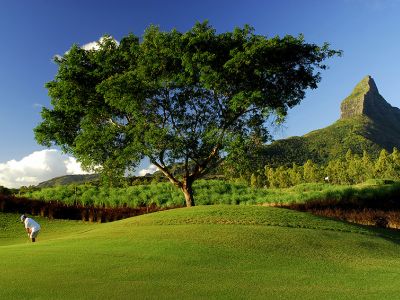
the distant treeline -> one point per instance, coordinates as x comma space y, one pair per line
352, 169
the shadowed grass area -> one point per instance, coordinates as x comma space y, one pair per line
213, 252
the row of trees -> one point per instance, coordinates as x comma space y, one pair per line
351, 169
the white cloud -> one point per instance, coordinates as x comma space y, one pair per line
88, 46
37, 167
91, 46
43, 165
73, 166
57, 56
150, 170
95, 45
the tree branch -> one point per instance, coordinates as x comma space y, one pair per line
168, 174
200, 167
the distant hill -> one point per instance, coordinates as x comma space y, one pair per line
367, 122
69, 179
95, 178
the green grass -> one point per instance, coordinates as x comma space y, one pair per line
12, 230
205, 252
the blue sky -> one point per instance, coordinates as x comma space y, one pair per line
34, 31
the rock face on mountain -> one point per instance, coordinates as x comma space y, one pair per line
363, 100
366, 100
367, 123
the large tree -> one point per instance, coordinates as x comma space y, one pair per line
191, 99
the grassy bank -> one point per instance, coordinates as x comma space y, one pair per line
213, 252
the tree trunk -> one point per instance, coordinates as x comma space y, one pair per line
188, 192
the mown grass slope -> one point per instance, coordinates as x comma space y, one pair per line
208, 252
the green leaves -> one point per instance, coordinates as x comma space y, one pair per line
175, 97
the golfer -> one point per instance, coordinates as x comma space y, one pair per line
31, 226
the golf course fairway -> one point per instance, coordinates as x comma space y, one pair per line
204, 252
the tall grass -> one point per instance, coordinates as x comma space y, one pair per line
208, 192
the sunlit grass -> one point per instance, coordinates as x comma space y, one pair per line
220, 252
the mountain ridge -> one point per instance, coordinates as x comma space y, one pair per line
69, 179
367, 123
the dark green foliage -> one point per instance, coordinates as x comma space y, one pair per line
192, 98
5, 191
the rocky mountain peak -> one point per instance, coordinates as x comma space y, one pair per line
365, 100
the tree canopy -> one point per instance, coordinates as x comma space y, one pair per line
194, 98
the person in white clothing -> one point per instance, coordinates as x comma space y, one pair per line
31, 227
